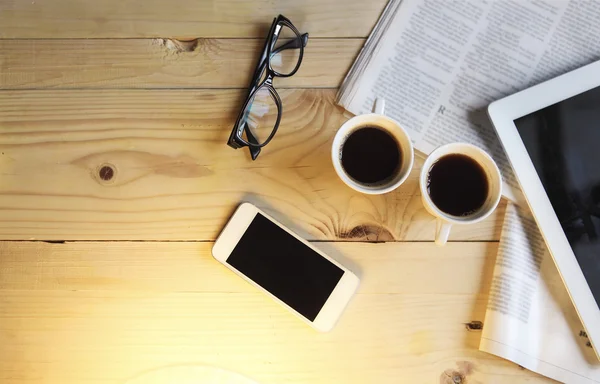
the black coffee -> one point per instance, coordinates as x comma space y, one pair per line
457, 185
371, 155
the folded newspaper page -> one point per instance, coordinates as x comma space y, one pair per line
530, 318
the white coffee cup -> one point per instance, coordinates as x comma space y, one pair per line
378, 120
445, 220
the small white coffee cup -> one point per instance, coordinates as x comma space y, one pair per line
445, 220
378, 120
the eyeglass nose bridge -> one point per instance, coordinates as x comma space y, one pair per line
269, 79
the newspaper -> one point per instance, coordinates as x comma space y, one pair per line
439, 63
530, 318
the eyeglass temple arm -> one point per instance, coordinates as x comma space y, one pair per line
254, 151
293, 44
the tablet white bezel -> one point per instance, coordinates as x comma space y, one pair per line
337, 300
503, 113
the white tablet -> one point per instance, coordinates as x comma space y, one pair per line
551, 134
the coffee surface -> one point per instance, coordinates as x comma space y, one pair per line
457, 185
371, 155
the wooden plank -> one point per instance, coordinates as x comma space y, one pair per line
408, 268
183, 18
162, 63
174, 176
112, 312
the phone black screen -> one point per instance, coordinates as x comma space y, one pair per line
284, 266
563, 141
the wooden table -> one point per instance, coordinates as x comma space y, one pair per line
115, 179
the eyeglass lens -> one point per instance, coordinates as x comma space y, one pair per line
285, 53
261, 115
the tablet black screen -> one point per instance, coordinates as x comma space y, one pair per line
563, 141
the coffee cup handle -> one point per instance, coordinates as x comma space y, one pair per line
442, 231
379, 106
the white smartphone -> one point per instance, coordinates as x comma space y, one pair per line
275, 260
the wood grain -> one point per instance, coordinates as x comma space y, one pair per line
182, 18
408, 268
162, 63
174, 176
109, 312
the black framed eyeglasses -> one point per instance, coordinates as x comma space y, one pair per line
259, 118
